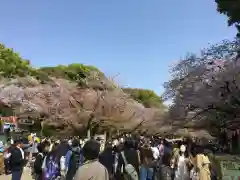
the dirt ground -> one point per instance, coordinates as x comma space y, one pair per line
26, 175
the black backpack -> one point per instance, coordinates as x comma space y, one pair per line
76, 159
74, 163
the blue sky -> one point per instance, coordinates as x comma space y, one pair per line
137, 39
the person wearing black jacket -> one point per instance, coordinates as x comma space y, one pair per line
16, 160
39, 159
131, 155
106, 158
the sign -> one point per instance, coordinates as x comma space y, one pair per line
10, 126
8, 122
6, 126
230, 169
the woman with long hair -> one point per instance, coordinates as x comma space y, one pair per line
51, 163
181, 164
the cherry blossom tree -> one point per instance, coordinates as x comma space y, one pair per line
207, 86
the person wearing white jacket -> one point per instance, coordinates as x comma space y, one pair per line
156, 153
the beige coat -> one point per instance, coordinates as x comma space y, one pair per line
1, 164
203, 166
92, 170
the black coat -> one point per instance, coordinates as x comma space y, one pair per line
16, 161
106, 158
131, 156
38, 166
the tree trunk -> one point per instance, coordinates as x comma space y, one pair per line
89, 133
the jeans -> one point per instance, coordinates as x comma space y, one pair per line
16, 175
146, 173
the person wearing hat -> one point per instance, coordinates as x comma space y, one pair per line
92, 168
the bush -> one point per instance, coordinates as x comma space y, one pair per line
74, 72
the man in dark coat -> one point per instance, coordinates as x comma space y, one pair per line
106, 158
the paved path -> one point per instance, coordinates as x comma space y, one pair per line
26, 175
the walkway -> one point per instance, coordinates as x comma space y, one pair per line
26, 175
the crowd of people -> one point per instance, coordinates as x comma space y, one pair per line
125, 158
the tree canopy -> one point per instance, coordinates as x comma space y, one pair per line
146, 97
13, 65
207, 86
230, 8
49, 94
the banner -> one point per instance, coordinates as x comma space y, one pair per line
9, 120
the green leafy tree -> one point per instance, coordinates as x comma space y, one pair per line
230, 8
146, 97
74, 72
11, 64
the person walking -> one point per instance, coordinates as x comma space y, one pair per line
107, 158
16, 160
73, 160
92, 168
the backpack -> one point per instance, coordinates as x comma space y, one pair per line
130, 171
77, 157
52, 169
